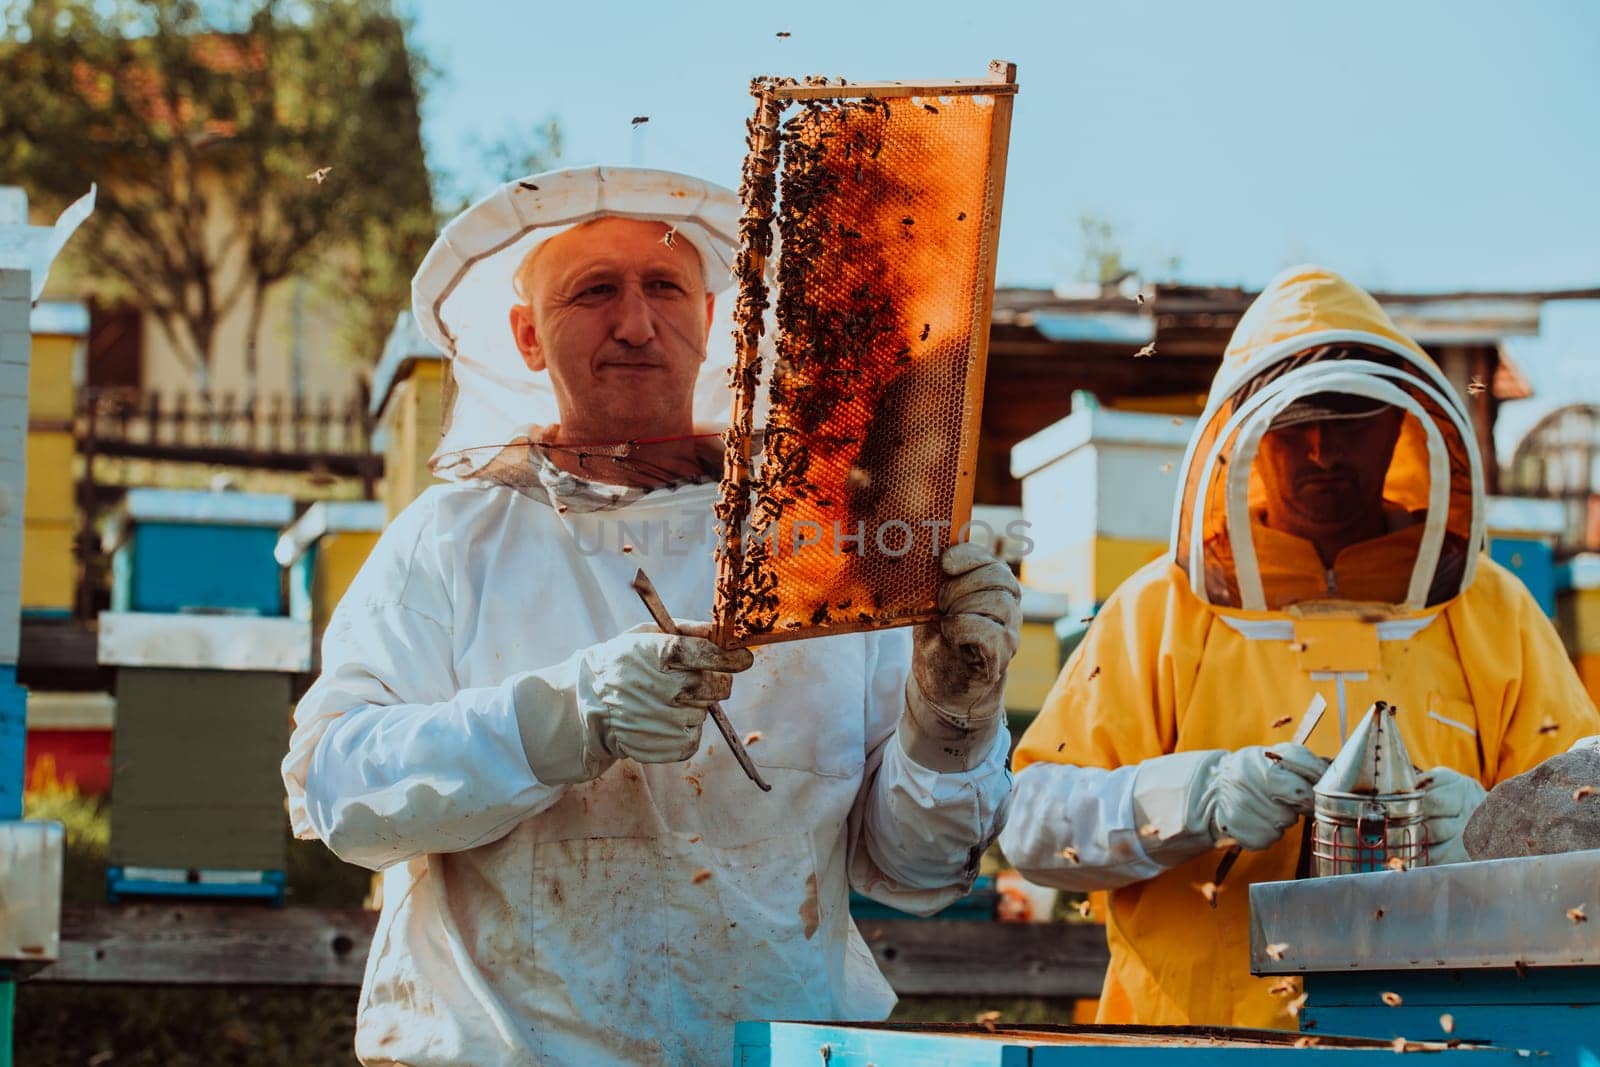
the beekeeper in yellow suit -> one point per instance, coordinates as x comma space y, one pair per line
1327, 539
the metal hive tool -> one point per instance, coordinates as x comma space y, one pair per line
886, 202
1368, 806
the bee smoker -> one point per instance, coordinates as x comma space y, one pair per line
1368, 806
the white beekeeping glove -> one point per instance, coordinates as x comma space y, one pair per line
642, 695
954, 695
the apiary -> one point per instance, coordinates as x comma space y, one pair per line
1498, 951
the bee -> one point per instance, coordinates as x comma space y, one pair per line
1283, 988
1094, 674
1070, 855
1209, 890
320, 175
1399, 1044
987, 1019
701, 875
1395, 863
1447, 1023
1307, 1042
1166, 468
1475, 387
1578, 915
1277, 949
1149, 829
694, 780
640, 120
1062, 747
1392, 999
961, 216
752, 737
1224, 843
783, 34
1584, 791
1549, 726
1376, 915
930, 109
670, 238
1282, 721
908, 221
926, 328
1085, 908
1292, 1009
694, 840
1138, 298
1145, 352
532, 188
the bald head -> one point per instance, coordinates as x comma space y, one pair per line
616, 311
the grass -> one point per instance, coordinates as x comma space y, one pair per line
201, 1026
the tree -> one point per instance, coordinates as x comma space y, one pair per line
1102, 251
237, 142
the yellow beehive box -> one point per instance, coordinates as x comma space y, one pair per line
408, 405
1097, 490
323, 550
49, 568
48, 496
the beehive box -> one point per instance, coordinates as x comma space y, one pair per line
1097, 494
177, 550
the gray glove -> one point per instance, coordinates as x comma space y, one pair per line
1448, 801
642, 695
1188, 801
958, 665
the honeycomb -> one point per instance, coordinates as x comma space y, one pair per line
886, 212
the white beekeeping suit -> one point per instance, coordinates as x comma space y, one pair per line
633, 917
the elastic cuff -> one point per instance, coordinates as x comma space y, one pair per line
931, 740
556, 736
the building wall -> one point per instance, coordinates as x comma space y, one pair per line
317, 326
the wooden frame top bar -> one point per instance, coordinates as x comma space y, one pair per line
1001, 81
892, 90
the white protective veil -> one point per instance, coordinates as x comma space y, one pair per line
464, 289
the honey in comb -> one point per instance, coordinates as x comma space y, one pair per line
880, 279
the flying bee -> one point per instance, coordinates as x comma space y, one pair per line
926, 327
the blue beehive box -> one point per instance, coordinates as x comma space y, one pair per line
175, 550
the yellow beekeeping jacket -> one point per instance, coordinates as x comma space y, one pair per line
1198, 652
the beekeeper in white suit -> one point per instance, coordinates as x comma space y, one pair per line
574, 874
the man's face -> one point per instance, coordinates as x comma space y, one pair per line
1328, 474
619, 318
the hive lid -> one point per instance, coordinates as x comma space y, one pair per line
1374, 761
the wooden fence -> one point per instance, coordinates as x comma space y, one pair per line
268, 433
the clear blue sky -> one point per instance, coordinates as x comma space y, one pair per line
1420, 145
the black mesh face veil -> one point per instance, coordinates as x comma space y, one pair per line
1424, 532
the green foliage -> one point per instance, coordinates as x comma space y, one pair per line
1102, 251
236, 142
